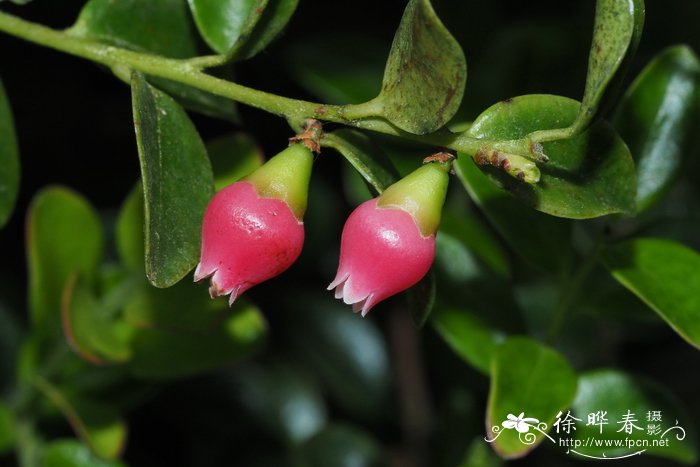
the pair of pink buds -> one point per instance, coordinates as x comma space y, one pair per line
253, 230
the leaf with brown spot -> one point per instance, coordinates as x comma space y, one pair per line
425, 73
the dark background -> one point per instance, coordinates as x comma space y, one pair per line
74, 122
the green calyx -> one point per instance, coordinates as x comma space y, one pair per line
422, 194
286, 176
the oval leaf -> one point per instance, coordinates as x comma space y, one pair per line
542, 241
616, 33
223, 22
528, 378
64, 237
162, 27
172, 157
665, 275
241, 28
425, 73
588, 175
9, 160
656, 120
617, 394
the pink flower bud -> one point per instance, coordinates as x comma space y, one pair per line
388, 243
253, 230
382, 253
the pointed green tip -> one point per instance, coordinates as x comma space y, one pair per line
422, 194
286, 176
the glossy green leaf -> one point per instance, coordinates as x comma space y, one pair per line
172, 156
616, 33
241, 28
421, 299
166, 354
9, 160
339, 68
233, 157
588, 175
529, 378
365, 158
542, 241
618, 393
7, 429
354, 363
425, 73
162, 27
656, 120
469, 337
342, 446
222, 23
665, 275
64, 237
71, 453
281, 400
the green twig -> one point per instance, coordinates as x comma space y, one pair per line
189, 72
